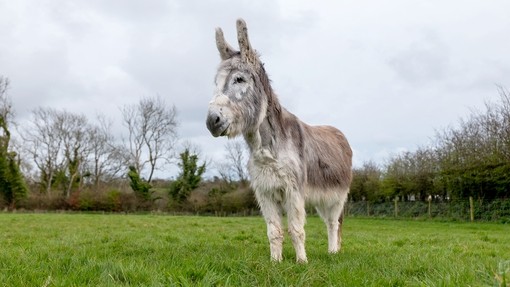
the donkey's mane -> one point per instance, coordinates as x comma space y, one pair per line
279, 119
274, 108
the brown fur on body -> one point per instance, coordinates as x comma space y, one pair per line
325, 151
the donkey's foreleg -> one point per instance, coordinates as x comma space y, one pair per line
296, 214
272, 212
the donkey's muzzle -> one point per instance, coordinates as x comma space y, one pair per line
216, 123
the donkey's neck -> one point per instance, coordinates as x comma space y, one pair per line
267, 135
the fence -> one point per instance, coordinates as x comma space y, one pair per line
464, 210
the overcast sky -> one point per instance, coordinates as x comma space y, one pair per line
386, 73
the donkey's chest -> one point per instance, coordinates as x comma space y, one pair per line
269, 173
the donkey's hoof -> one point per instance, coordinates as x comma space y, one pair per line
276, 259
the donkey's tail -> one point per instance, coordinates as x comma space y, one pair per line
340, 224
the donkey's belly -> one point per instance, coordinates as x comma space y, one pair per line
277, 179
325, 196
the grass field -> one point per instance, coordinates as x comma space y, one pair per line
156, 250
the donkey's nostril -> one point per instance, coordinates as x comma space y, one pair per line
215, 123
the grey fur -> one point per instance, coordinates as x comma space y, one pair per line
290, 161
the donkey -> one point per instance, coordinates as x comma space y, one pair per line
290, 162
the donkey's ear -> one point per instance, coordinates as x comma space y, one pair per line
226, 51
247, 53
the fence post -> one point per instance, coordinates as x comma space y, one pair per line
396, 206
368, 208
471, 209
430, 205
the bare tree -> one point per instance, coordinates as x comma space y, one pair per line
106, 158
43, 145
58, 142
152, 128
75, 139
234, 166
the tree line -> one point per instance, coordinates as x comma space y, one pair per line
59, 159
64, 160
471, 159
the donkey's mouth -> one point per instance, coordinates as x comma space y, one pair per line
220, 131
224, 133
217, 124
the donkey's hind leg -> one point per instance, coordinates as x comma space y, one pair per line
332, 215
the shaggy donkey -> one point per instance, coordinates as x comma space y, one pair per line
290, 161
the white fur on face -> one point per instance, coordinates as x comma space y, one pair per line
234, 99
221, 78
222, 104
242, 88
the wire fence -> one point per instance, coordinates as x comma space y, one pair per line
462, 210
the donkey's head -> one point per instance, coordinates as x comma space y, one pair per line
239, 103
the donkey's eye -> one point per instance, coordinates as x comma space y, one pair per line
238, 80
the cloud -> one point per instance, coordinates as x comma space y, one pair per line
386, 73
423, 62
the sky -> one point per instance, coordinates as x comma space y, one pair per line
389, 74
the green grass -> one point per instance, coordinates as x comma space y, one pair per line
156, 250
